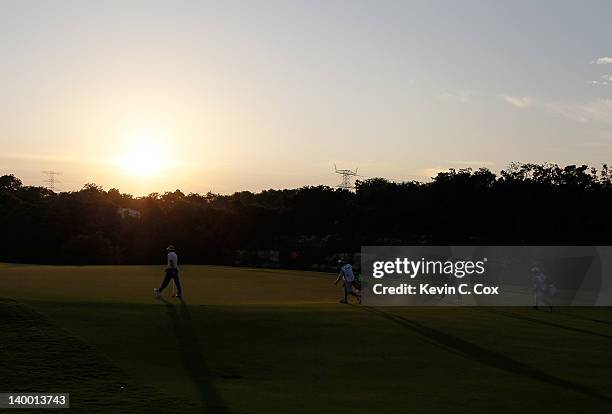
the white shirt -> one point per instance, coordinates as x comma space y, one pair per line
347, 273
540, 282
172, 260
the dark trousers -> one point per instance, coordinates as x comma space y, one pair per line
171, 274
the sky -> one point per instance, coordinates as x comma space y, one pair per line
153, 96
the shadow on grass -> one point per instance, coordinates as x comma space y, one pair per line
192, 358
547, 323
487, 357
582, 318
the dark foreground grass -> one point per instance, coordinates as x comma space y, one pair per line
306, 359
38, 356
279, 357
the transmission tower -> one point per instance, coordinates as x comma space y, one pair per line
51, 179
347, 176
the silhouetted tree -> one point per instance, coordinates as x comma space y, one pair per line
526, 203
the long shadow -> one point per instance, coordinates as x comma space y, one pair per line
192, 358
547, 323
486, 356
582, 318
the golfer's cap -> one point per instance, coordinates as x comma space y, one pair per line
170, 248
340, 261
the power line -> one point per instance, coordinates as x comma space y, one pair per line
347, 177
51, 179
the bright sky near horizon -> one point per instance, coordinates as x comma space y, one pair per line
224, 96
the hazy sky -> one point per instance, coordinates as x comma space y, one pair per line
223, 96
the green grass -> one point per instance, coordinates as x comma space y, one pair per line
277, 342
38, 355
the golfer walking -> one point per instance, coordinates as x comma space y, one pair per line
172, 272
348, 278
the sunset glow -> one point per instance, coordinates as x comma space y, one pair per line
145, 155
250, 97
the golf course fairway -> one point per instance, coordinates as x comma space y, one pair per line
277, 341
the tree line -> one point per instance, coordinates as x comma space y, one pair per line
309, 226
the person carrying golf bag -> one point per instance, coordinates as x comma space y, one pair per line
172, 273
348, 278
542, 288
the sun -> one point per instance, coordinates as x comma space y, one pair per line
145, 155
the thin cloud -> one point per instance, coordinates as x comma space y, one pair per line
607, 80
48, 158
474, 164
604, 60
461, 97
597, 111
428, 173
518, 101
